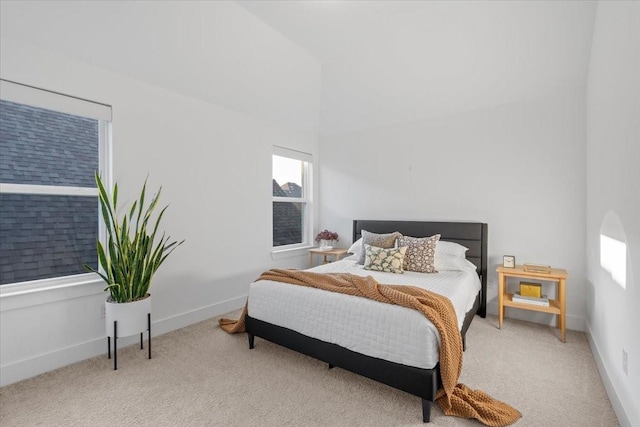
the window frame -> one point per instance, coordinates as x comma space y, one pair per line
41, 98
306, 200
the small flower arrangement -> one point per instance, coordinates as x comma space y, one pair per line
326, 235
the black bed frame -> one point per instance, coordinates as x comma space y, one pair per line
423, 383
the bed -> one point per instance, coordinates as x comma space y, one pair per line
418, 375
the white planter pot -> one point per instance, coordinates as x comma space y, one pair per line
131, 316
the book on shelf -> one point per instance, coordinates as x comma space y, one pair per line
542, 301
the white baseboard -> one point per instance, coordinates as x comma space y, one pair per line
58, 358
162, 326
623, 419
42, 363
574, 323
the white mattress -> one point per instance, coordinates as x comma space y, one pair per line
384, 331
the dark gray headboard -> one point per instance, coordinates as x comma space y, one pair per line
473, 235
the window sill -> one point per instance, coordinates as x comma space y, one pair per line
289, 253
37, 292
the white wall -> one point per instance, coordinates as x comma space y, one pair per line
519, 167
212, 158
613, 176
207, 140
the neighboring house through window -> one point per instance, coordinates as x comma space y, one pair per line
51, 145
291, 198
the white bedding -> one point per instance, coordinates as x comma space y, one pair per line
384, 331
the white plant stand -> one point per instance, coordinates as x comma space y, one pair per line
125, 320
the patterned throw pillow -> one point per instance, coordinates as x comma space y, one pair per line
420, 253
384, 241
387, 260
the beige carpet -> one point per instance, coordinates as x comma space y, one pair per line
201, 376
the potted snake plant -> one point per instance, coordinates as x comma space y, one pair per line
132, 253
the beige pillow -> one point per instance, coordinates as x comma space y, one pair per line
387, 260
420, 253
384, 241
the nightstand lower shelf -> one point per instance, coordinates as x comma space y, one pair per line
554, 305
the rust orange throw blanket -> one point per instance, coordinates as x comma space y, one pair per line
454, 399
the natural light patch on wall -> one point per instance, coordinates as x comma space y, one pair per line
613, 248
613, 258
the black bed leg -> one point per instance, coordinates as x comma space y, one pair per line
251, 339
330, 366
426, 410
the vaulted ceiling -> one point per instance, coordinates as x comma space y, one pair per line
389, 62
382, 62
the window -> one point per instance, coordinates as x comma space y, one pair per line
291, 198
50, 147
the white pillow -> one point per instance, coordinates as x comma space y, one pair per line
356, 248
450, 248
450, 262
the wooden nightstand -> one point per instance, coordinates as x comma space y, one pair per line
336, 253
556, 306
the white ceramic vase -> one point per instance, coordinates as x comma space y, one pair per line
132, 317
326, 245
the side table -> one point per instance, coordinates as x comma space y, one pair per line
556, 306
336, 253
